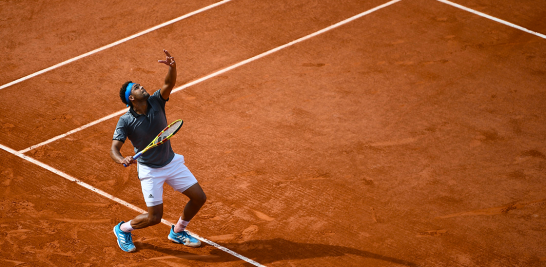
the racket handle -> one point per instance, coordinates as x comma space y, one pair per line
137, 155
134, 157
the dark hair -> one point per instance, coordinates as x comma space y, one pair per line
122, 93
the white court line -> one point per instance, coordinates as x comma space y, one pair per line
493, 18
118, 200
221, 71
66, 176
74, 131
114, 44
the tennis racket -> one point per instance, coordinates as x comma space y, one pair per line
161, 138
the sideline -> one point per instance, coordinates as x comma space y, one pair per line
118, 200
114, 44
493, 18
70, 178
220, 71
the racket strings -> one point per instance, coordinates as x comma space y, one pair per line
170, 131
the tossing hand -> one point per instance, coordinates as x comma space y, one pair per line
169, 61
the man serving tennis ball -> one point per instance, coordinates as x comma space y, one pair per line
141, 124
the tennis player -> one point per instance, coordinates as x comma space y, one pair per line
141, 124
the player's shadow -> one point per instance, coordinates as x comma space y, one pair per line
268, 251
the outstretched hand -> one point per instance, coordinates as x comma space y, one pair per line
169, 61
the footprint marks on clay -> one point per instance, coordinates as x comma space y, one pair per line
262, 216
432, 233
529, 154
496, 210
245, 235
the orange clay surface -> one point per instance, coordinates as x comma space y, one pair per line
413, 136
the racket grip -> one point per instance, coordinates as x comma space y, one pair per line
137, 155
134, 157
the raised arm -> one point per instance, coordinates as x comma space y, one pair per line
170, 79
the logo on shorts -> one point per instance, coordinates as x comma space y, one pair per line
151, 196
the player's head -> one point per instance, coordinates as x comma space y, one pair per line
130, 91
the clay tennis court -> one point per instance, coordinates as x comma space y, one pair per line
412, 135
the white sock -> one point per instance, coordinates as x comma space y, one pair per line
126, 227
180, 225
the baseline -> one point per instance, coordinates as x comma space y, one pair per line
221, 71
492, 18
114, 44
120, 201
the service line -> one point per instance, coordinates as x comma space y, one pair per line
493, 18
118, 200
220, 72
114, 43
70, 178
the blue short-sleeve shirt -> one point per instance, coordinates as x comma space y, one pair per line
142, 129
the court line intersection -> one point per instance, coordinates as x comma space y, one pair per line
98, 191
20, 153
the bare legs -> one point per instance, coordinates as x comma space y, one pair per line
153, 217
197, 200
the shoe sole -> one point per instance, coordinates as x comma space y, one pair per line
119, 245
190, 245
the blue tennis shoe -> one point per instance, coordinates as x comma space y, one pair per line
125, 240
184, 238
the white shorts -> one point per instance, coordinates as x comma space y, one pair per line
176, 174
